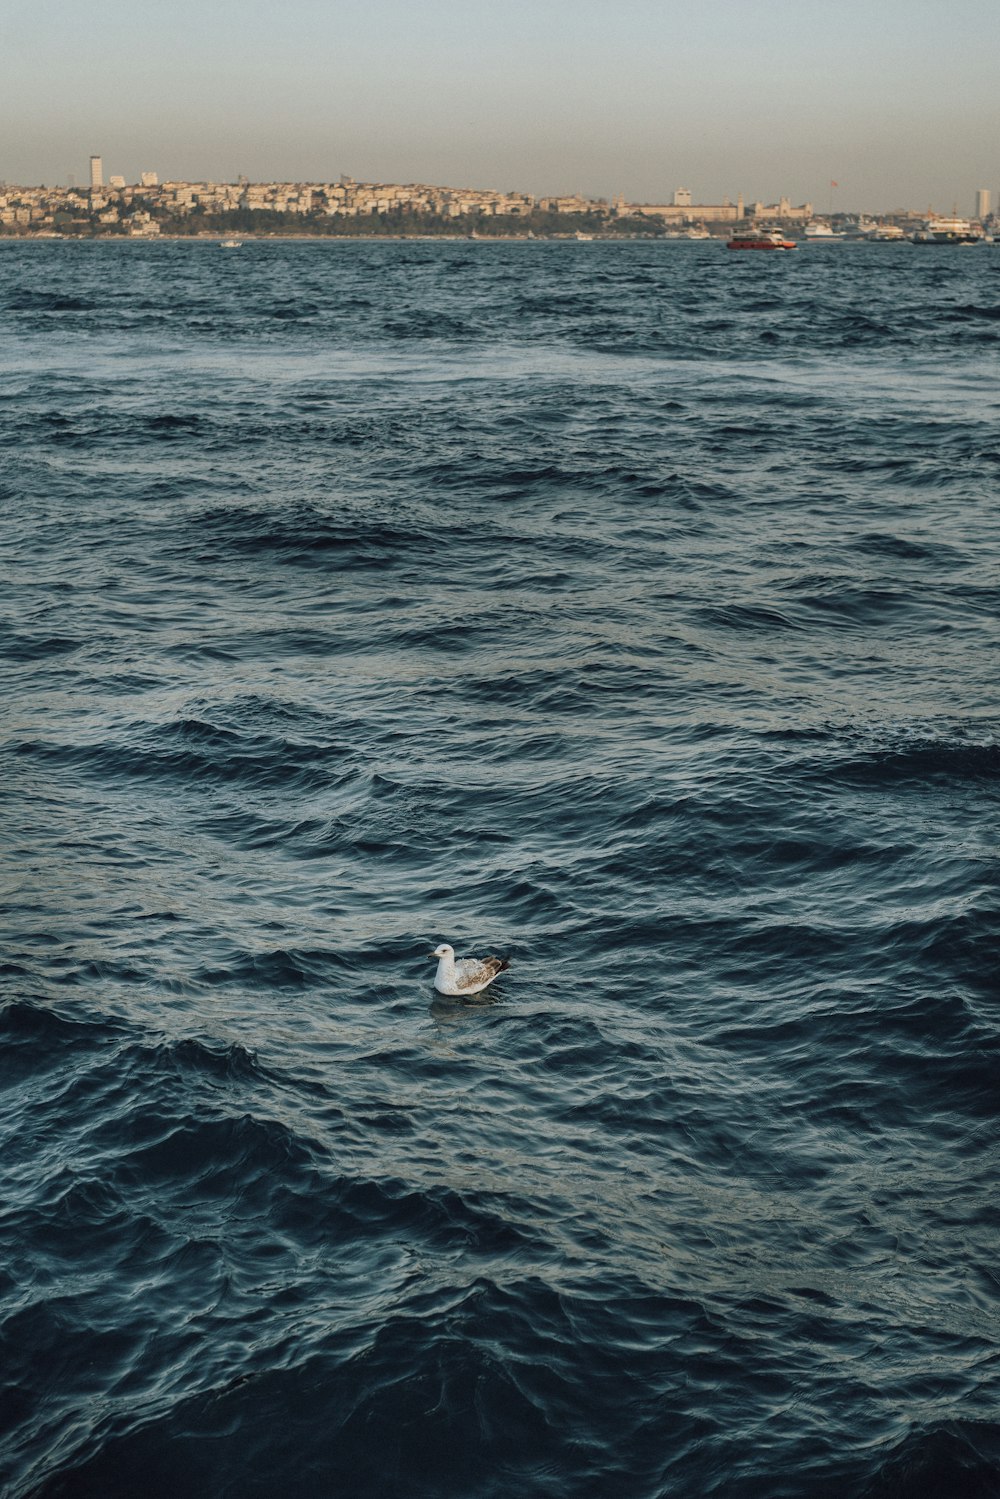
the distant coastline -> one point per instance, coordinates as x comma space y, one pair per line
265, 225
150, 210
270, 237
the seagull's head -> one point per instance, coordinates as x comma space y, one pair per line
444, 951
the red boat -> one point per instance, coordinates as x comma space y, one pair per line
760, 239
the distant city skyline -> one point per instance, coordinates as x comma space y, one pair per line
976, 203
895, 103
150, 208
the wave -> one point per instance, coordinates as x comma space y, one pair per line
954, 1457
193, 751
29, 300
303, 536
931, 761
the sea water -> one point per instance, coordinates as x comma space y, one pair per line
628, 610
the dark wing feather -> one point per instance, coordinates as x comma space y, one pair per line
493, 966
487, 969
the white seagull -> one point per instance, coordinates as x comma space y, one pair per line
464, 975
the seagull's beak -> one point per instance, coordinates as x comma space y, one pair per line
432, 954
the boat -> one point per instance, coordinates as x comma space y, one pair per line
884, 233
697, 231
759, 239
948, 231
231, 244
815, 229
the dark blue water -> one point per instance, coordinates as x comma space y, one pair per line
630, 610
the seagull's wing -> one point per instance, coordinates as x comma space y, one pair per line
473, 973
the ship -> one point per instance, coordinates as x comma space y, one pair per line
887, 233
816, 229
948, 231
759, 239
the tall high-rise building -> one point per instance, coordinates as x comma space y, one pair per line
96, 172
983, 197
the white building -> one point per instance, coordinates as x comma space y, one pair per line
96, 172
983, 202
682, 197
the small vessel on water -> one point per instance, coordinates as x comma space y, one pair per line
948, 231
816, 229
759, 239
231, 244
883, 233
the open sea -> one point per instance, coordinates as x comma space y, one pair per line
629, 610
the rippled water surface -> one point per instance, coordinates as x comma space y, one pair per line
627, 609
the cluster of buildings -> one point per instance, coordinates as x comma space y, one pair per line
681, 210
146, 206
149, 206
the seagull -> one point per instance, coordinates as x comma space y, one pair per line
464, 975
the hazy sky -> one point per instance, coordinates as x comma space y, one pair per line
896, 100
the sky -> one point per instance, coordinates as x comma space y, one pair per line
894, 100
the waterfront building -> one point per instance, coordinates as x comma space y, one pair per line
676, 214
571, 203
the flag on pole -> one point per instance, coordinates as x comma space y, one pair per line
834, 184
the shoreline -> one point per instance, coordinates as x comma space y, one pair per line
342, 239
220, 240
